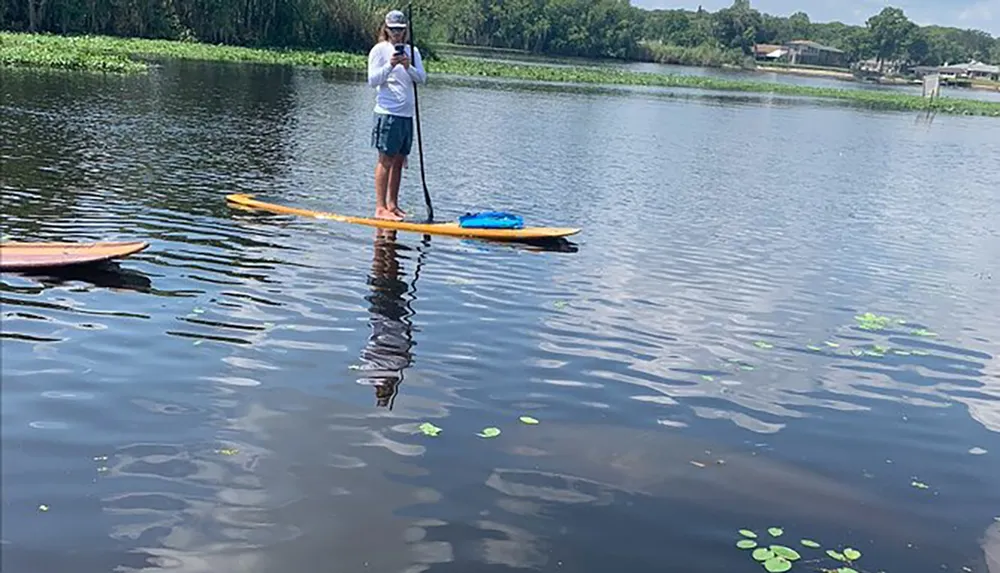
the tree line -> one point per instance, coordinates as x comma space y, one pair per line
587, 28
886, 36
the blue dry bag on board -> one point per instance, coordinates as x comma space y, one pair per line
491, 220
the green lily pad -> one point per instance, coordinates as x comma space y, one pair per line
786, 552
777, 565
831, 344
528, 420
852, 554
746, 544
923, 332
761, 554
919, 484
762, 344
775, 531
846, 570
869, 321
490, 432
748, 533
836, 555
429, 429
814, 348
810, 543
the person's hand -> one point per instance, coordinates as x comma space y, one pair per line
405, 60
397, 59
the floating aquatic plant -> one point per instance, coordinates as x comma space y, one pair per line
490, 432
528, 420
429, 429
786, 552
780, 558
870, 321
109, 54
762, 344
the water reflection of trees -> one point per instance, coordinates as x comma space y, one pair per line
388, 351
174, 140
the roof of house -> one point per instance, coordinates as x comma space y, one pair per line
764, 48
981, 67
972, 66
812, 44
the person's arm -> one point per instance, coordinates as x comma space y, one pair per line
416, 68
378, 67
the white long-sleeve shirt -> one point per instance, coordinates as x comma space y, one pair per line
394, 84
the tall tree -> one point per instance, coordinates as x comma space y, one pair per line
799, 26
736, 26
890, 32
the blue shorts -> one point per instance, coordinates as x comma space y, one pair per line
392, 134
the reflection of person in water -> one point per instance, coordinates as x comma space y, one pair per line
387, 353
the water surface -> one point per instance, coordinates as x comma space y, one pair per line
245, 394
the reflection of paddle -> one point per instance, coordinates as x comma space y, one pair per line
416, 108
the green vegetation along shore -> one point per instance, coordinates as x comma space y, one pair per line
130, 55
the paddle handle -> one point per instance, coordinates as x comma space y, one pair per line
416, 108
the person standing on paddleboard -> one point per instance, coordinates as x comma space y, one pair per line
392, 73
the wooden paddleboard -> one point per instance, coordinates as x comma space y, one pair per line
17, 255
451, 229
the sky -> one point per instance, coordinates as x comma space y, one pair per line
976, 14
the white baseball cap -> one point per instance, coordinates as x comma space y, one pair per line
395, 19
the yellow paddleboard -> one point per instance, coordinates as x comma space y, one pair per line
450, 229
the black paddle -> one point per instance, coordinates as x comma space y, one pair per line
416, 107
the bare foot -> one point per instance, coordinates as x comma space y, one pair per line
399, 212
388, 214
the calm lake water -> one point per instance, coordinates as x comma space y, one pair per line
246, 394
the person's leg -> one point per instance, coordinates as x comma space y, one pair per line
386, 142
383, 172
405, 126
392, 193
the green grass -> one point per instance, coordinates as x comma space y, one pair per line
129, 55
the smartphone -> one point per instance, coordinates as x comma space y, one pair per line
400, 48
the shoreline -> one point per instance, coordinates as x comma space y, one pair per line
812, 72
107, 54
